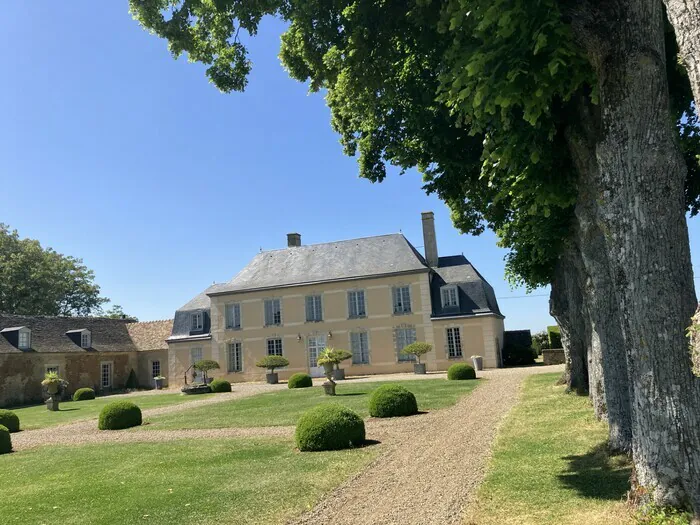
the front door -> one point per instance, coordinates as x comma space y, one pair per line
316, 345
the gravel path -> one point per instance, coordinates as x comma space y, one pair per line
431, 464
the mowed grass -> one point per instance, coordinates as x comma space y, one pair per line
39, 417
233, 481
286, 406
550, 464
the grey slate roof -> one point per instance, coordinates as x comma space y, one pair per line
49, 334
182, 320
476, 295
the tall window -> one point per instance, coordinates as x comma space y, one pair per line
359, 345
314, 308
24, 340
106, 375
454, 343
155, 369
404, 336
356, 304
235, 357
85, 340
449, 296
402, 299
273, 312
197, 321
196, 355
233, 316
274, 346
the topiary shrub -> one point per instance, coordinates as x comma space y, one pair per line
118, 415
220, 385
9, 420
329, 427
300, 380
132, 382
554, 334
84, 394
392, 401
5, 440
460, 371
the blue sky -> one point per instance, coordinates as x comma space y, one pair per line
114, 152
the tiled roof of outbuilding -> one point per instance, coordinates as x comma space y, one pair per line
150, 335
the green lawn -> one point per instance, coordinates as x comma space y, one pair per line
550, 465
285, 406
185, 482
39, 417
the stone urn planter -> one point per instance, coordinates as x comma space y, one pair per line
478, 362
419, 368
158, 381
329, 385
338, 374
53, 385
272, 378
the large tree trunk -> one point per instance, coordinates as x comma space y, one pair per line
642, 212
684, 16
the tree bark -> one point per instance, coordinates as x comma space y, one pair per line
684, 16
642, 215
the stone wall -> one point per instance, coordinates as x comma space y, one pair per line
553, 356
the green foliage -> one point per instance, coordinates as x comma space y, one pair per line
554, 336
461, 371
117, 312
5, 440
39, 281
651, 514
220, 385
518, 355
83, 394
417, 349
206, 365
118, 415
540, 341
341, 355
300, 380
392, 401
9, 420
329, 427
271, 362
132, 381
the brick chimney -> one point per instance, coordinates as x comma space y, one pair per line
293, 239
429, 240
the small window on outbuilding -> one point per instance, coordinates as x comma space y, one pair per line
86, 339
24, 339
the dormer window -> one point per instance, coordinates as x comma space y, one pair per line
86, 339
24, 339
81, 337
449, 296
197, 322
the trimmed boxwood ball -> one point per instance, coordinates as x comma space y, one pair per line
461, 371
118, 415
220, 385
84, 394
392, 401
300, 380
329, 427
5, 440
9, 420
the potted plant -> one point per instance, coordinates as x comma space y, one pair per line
417, 349
54, 384
328, 359
159, 380
478, 362
340, 356
271, 362
204, 366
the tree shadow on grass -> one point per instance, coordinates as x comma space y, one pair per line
598, 474
339, 394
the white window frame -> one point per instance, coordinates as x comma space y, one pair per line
404, 336
357, 309
83, 335
110, 374
360, 356
52, 368
275, 348
233, 316
27, 344
315, 303
315, 344
401, 299
197, 322
453, 345
449, 296
234, 357
198, 350
153, 368
273, 301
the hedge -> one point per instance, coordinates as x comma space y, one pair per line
9, 420
118, 415
517, 348
5, 440
220, 385
329, 427
554, 337
460, 371
84, 394
300, 380
392, 401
